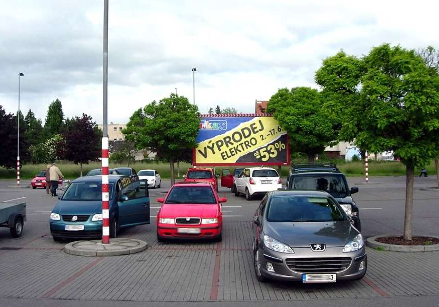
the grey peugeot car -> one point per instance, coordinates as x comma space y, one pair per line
306, 236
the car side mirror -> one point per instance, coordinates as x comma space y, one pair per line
354, 190
222, 200
161, 200
124, 198
256, 220
184, 176
59, 196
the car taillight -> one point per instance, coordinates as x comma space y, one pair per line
280, 181
252, 181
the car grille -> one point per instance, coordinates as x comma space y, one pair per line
81, 218
184, 221
318, 265
77, 234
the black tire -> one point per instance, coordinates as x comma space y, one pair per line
233, 189
34, 188
219, 238
236, 192
159, 184
57, 239
247, 194
17, 227
160, 238
257, 267
114, 228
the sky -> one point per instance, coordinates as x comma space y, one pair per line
243, 50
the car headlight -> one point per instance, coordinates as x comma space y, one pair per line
347, 208
209, 221
166, 221
55, 217
97, 217
354, 245
277, 246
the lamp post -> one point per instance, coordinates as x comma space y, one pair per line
193, 80
18, 128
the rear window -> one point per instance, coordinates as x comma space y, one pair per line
124, 171
199, 175
41, 174
146, 173
191, 195
265, 173
237, 171
333, 184
303, 209
94, 172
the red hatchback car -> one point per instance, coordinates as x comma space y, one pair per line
204, 175
190, 211
39, 181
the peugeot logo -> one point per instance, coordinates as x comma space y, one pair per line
74, 218
315, 247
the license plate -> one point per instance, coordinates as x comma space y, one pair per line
189, 230
265, 181
318, 278
74, 227
38, 183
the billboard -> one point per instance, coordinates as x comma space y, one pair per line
248, 139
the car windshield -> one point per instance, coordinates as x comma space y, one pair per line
303, 209
146, 173
265, 173
124, 171
85, 191
199, 175
191, 195
237, 171
41, 174
333, 184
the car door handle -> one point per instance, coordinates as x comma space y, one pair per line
145, 205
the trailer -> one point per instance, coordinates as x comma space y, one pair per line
13, 217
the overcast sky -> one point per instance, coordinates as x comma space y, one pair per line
243, 50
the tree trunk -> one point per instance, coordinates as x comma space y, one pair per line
171, 162
178, 169
410, 179
311, 158
279, 170
81, 168
436, 162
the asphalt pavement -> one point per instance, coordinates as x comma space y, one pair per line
34, 270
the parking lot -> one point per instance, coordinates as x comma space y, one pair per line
34, 266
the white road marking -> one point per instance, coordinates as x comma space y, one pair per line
155, 207
43, 211
231, 215
371, 208
5, 201
232, 206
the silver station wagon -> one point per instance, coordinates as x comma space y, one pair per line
306, 236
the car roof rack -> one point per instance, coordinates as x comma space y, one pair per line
314, 167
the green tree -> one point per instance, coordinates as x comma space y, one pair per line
229, 111
83, 140
48, 151
122, 151
168, 127
395, 107
301, 114
217, 110
8, 137
210, 111
54, 119
34, 128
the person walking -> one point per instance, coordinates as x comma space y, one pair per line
55, 175
423, 173
48, 178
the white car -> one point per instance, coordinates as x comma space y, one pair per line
257, 180
153, 177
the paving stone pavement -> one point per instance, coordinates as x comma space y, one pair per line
195, 271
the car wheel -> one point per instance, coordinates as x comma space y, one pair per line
219, 238
160, 183
257, 266
34, 187
233, 189
57, 239
236, 191
114, 228
17, 227
247, 194
160, 238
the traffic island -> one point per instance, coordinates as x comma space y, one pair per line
95, 248
375, 244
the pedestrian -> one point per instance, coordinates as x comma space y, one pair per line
48, 178
55, 175
423, 173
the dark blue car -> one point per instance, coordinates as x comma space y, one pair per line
78, 213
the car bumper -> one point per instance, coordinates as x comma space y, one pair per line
38, 184
91, 230
172, 232
283, 272
262, 189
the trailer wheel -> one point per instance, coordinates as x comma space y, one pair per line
17, 227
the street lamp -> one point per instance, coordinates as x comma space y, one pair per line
18, 128
193, 80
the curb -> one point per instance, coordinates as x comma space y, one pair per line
95, 248
371, 242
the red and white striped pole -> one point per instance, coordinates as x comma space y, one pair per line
105, 194
366, 165
18, 170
